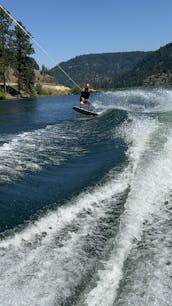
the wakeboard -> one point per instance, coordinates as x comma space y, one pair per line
84, 111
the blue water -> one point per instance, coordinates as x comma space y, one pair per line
85, 205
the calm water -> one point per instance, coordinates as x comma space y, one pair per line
85, 206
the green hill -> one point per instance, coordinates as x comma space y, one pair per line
154, 69
119, 70
98, 69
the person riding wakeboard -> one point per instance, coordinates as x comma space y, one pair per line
84, 97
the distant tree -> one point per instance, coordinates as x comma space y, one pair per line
44, 70
24, 64
6, 54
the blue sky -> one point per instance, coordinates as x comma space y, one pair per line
68, 28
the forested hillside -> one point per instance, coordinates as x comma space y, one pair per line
119, 70
154, 69
98, 69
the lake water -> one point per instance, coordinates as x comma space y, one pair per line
85, 202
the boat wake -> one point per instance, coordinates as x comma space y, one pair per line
109, 244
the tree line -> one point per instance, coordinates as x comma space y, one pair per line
15, 52
101, 70
119, 70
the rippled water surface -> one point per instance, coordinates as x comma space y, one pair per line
85, 206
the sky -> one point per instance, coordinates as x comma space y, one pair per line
69, 28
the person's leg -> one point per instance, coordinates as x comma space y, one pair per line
89, 104
81, 102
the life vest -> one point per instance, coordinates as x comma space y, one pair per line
85, 93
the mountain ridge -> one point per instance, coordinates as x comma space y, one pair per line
99, 69
119, 69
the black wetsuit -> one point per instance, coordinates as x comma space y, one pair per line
85, 93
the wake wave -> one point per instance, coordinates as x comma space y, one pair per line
65, 246
30, 151
53, 145
136, 100
148, 268
57, 247
149, 189
76, 254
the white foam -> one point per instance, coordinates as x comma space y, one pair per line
37, 261
136, 100
49, 254
149, 188
149, 271
42, 264
30, 151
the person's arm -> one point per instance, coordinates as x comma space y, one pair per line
93, 90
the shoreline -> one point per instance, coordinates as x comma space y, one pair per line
43, 90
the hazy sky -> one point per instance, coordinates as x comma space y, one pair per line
67, 28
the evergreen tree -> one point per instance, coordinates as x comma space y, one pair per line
6, 54
44, 70
24, 64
